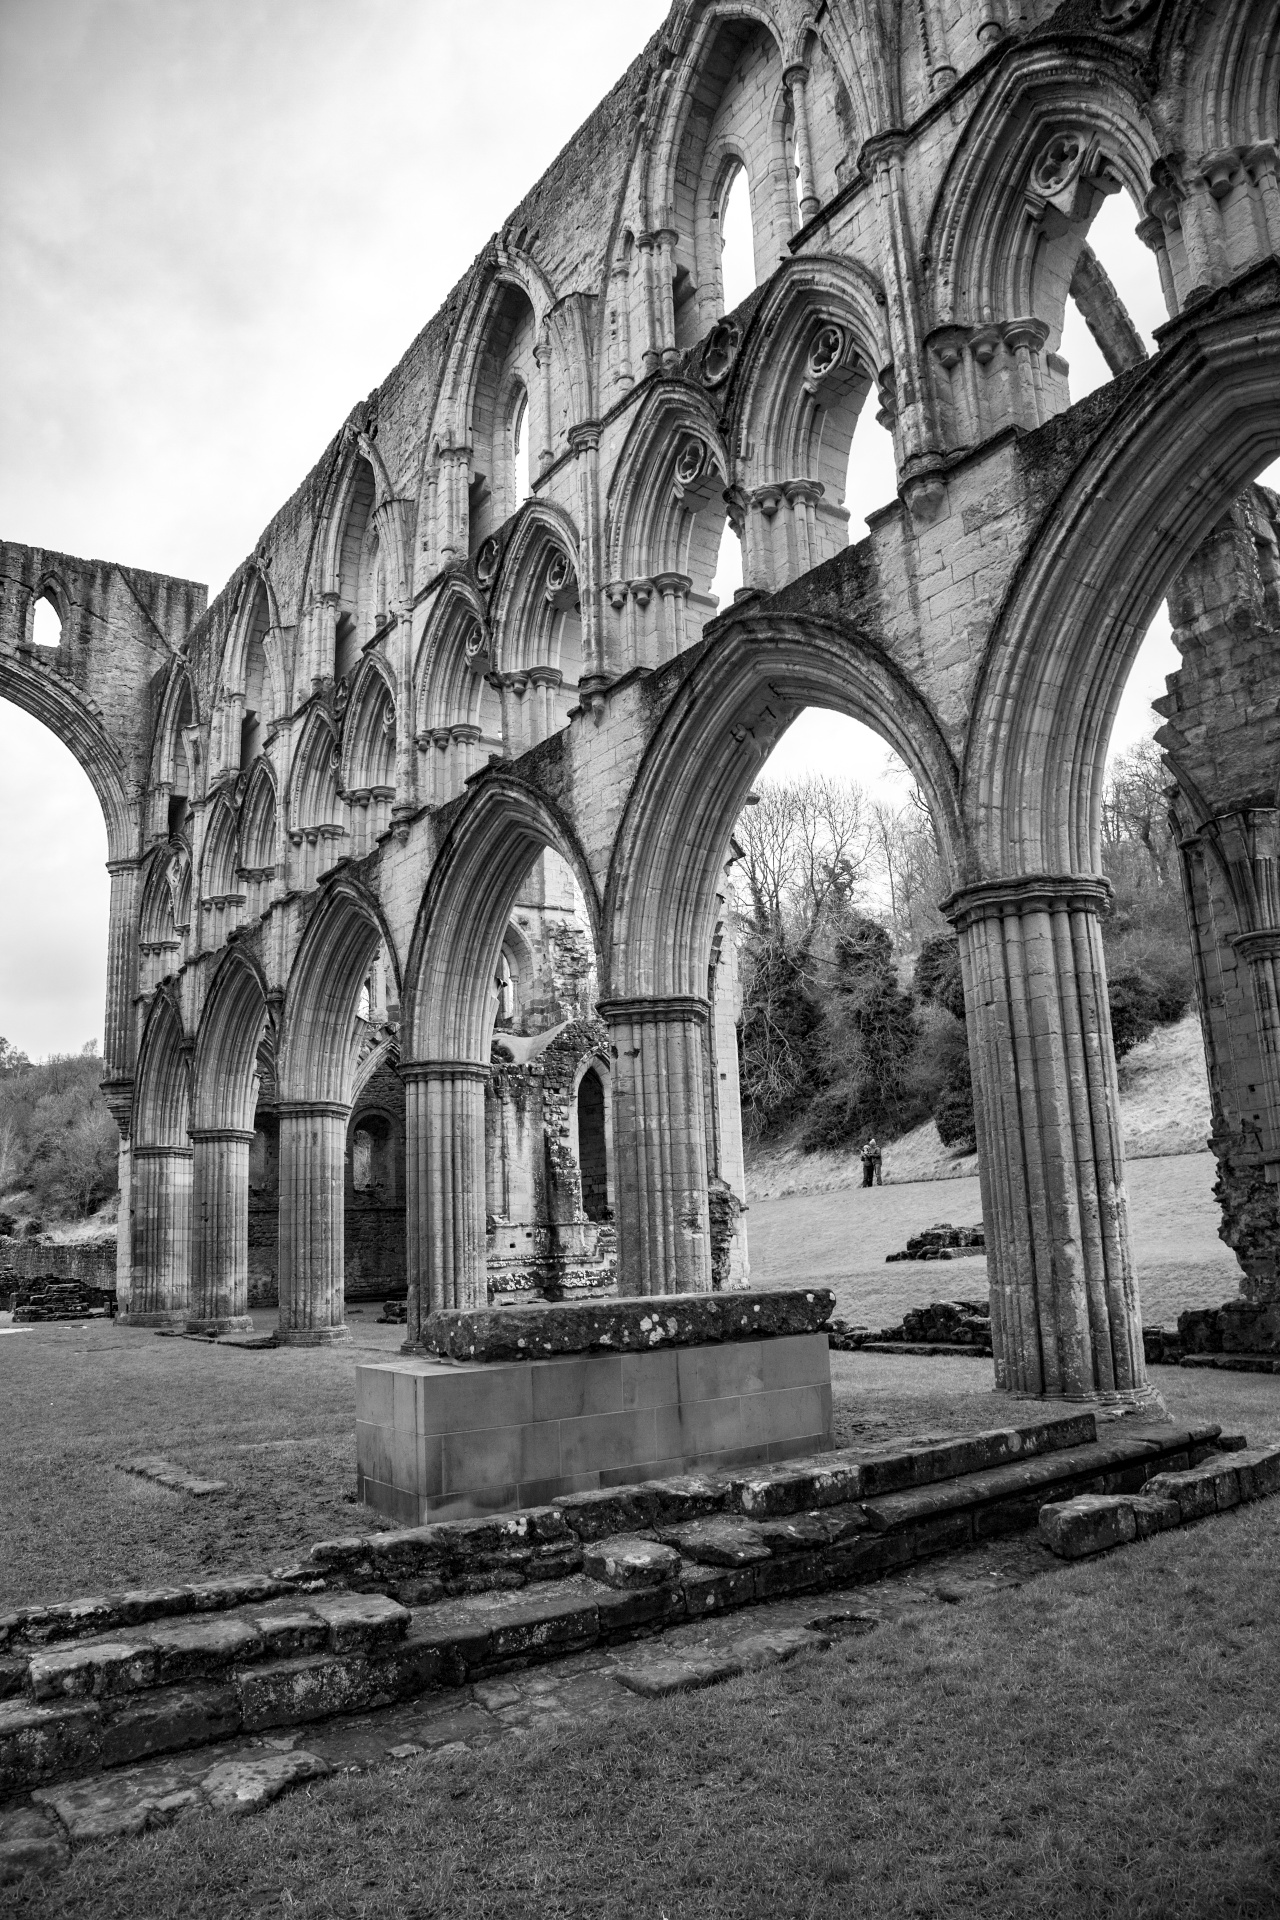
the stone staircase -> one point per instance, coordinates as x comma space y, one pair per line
385, 1617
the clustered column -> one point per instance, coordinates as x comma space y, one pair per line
313, 1137
160, 1288
220, 1231
660, 1143
445, 1178
1064, 1299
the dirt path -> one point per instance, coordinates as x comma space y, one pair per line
841, 1238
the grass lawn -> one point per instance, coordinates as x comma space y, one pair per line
279, 1428
1102, 1742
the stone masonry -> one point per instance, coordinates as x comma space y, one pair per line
325, 789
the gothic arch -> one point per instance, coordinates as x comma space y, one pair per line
523, 614
175, 752
221, 894
253, 691
369, 753
71, 718
230, 1033
812, 353
1058, 128
162, 1095
664, 515
721, 723
447, 1011
458, 720
1232, 67
317, 1055
1201, 419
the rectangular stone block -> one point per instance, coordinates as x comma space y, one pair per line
469, 1439
1093, 1523
1258, 1472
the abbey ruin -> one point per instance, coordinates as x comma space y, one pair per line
417, 830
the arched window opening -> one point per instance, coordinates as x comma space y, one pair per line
46, 623
506, 986
359, 573
871, 479
361, 1160
737, 242
521, 452
593, 1160
503, 433
254, 718
1115, 300
728, 574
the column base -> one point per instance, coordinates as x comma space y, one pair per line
232, 1323
166, 1317
313, 1336
1142, 1403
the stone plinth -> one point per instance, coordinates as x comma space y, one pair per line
438, 1440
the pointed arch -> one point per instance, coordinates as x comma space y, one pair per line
1058, 129
165, 913
231, 1030
448, 1006
317, 824
175, 751
162, 1094
721, 722
318, 1051
536, 619
812, 353
221, 895
710, 117
664, 515
1199, 420
369, 753
256, 852
253, 681
1232, 69
51, 700
458, 718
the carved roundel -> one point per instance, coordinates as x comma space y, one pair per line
826, 352
690, 461
1059, 163
720, 352
559, 570
487, 560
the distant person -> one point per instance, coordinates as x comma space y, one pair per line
871, 1161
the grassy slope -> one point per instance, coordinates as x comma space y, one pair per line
1103, 1742
1164, 1109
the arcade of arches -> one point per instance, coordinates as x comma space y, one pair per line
417, 830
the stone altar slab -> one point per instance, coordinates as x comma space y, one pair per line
439, 1440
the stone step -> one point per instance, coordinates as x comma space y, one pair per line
682, 1554
1076, 1529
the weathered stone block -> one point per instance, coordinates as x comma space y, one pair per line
95, 1667
627, 1562
1257, 1471
718, 1541
1091, 1523
168, 1720
620, 1326
368, 1623
1212, 1487
42, 1742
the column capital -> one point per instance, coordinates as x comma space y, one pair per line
585, 437
308, 1109
1027, 893
671, 1006
199, 1134
1263, 943
161, 1153
128, 863
410, 1070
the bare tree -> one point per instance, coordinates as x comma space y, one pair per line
805, 845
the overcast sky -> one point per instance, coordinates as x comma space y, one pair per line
221, 226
